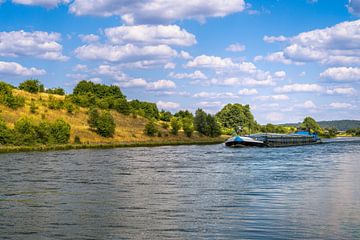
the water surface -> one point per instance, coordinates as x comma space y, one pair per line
183, 192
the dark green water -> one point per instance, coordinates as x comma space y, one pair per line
184, 192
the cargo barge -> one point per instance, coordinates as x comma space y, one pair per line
274, 140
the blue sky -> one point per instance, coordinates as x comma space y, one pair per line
287, 59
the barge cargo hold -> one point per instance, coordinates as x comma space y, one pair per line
273, 140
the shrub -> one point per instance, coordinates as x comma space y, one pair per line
175, 125
188, 126
69, 107
77, 139
26, 132
105, 125
150, 129
57, 91
93, 117
55, 104
60, 132
13, 102
32, 86
122, 106
5, 133
33, 107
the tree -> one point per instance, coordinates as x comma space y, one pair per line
310, 124
188, 127
184, 114
200, 121
26, 132
5, 133
165, 115
122, 106
175, 125
60, 132
150, 129
233, 116
93, 117
105, 125
8, 99
57, 91
32, 86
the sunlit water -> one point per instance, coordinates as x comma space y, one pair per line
183, 192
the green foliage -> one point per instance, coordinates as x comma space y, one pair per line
150, 129
70, 108
271, 128
98, 90
106, 124
206, 124
103, 123
26, 131
310, 124
32, 86
145, 109
60, 132
77, 139
5, 134
122, 106
8, 99
233, 116
175, 125
165, 116
33, 106
355, 132
330, 132
55, 104
188, 127
184, 114
57, 91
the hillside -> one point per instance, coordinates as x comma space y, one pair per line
342, 125
129, 128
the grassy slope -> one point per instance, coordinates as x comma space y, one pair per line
129, 129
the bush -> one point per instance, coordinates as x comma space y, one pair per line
188, 126
57, 91
93, 117
13, 102
60, 132
32, 86
5, 133
122, 106
150, 129
69, 107
105, 125
55, 104
26, 132
77, 139
175, 125
33, 107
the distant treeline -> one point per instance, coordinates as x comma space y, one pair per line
341, 125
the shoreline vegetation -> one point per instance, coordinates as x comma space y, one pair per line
33, 118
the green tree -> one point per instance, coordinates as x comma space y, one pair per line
26, 132
5, 133
200, 123
213, 127
57, 91
150, 129
32, 86
93, 117
188, 127
122, 106
165, 115
105, 125
60, 132
312, 125
175, 125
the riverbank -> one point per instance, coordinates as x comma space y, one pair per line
11, 149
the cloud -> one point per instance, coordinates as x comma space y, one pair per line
134, 83
161, 84
35, 44
89, 38
276, 57
195, 75
248, 92
210, 104
216, 95
150, 34
156, 11
236, 47
309, 104
244, 81
354, 7
169, 65
214, 62
342, 73
338, 44
13, 68
280, 75
43, 3
128, 52
343, 91
272, 39
340, 105
275, 117
279, 97
297, 87
167, 105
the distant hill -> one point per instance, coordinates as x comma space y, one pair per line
341, 125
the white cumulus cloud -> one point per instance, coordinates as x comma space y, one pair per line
155, 11
297, 87
43, 3
195, 75
167, 105
13, 68
340, 105
35, 44
342, 73
236, 47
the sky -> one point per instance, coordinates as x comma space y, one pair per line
286, 59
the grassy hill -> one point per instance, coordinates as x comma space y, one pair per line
129, 128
